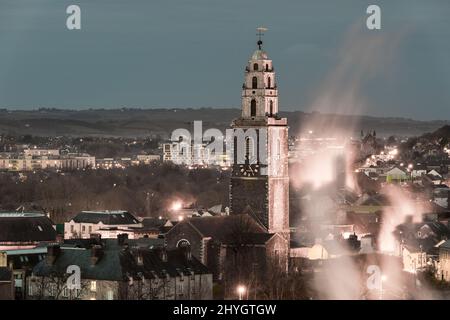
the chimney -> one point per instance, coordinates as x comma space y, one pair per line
96, 254
60, 238
121, 238
53, 253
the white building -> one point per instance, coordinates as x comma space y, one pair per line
37, 159
193, 154
107, 224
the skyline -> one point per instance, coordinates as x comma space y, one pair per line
110, 63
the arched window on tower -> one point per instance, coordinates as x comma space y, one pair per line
253, 108
254, 83
269, 82
249, 152
271, 108
255, 67
267, 67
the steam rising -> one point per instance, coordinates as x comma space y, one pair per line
402, 207
362, 57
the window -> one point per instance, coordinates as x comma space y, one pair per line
72, 228
109, 295
83, 229
93, 286
180, 289
255, 67
90, 229
253, 108
271, 107
248, 148
52, 290
254, 83
183, 243
269, 82
267, 67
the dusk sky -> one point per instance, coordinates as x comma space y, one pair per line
192, 53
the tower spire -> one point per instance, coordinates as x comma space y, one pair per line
260, 33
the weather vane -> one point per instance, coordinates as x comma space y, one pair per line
260, 33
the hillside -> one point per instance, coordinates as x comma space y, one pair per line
142, 122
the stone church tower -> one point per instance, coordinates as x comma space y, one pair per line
260, 180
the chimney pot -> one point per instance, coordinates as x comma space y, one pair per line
96, 254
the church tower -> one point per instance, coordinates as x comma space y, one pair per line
260, 180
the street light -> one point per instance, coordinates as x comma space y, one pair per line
241, 291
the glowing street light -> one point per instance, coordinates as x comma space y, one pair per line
241, 291
176, 206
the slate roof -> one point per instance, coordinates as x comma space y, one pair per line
113, 243
225, 228
25, 261
445, 245
26, 227
118, 264
107, 268
153, 265
155, 224
105, 217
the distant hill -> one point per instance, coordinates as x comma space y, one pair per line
443, 132
142, 122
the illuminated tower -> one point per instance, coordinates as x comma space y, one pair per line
260, 180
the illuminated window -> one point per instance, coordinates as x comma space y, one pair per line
94, 286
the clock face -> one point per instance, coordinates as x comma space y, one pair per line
249, 170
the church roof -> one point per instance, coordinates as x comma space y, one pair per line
259, 55
106, 217
224, 228
26, 227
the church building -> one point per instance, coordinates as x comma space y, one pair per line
254, 238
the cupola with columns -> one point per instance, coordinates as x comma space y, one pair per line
259, 91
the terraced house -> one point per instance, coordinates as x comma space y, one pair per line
115, 270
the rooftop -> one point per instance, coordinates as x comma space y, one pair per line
259, 55
106, 217
26, 228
